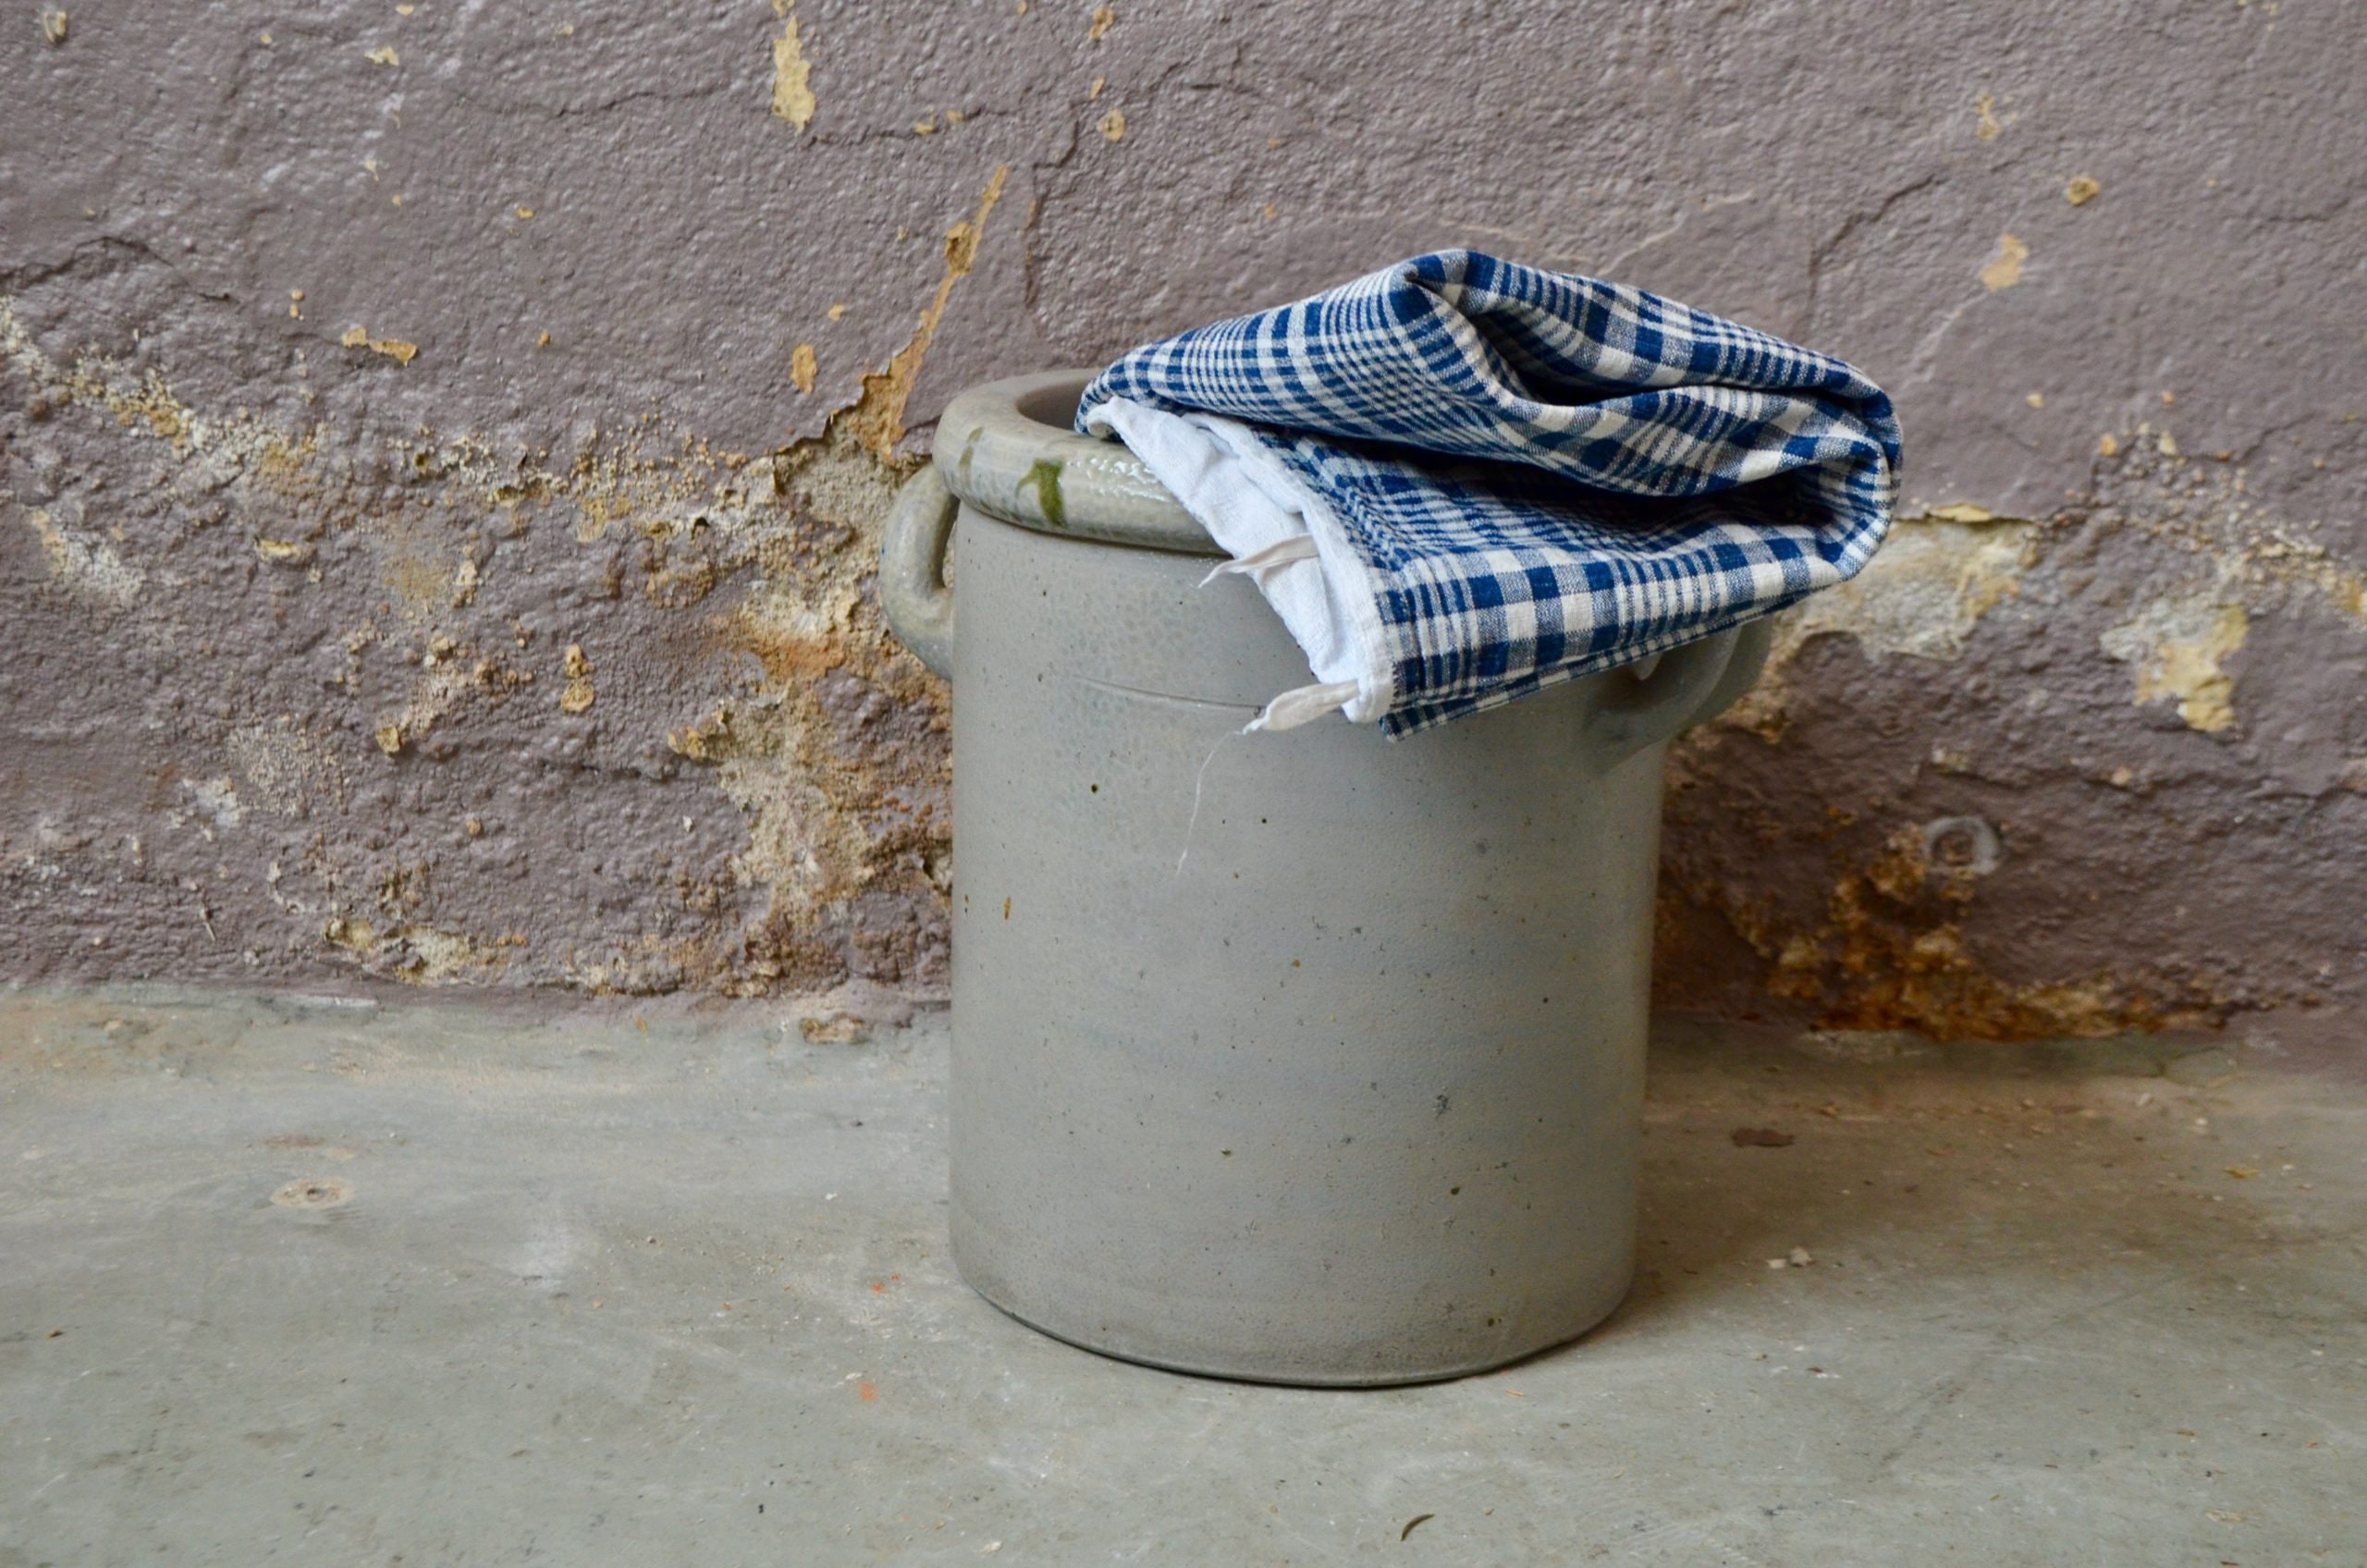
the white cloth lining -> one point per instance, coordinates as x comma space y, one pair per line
1283, 537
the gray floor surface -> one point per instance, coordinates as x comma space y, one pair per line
289, 1280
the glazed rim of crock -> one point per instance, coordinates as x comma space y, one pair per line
1008, 450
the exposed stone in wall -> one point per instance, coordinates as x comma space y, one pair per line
442, 450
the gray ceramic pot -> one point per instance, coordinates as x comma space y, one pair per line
1307, 1058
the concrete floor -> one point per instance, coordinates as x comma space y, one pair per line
300, 1282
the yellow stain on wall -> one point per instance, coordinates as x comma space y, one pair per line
2175, 646
877, 419
394, 349
2004, 269
793, 77
579, 694
803, 367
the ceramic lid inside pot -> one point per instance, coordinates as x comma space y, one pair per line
1007, 449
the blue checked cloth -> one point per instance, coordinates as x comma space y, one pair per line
1502, 477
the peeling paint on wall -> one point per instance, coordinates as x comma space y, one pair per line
2177, 647
419, 955
579, 694
793, 77
1920, 597
1925, 925
830, 821
1925, 590
394, 349
2004, 269
2202, 507
877, 419
287, 770
85, 563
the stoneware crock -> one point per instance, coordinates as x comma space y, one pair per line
1306, 1058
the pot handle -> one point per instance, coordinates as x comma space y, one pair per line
912, 590
1687, 686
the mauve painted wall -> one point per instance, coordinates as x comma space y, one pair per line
445, 446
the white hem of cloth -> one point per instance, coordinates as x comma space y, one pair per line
1283, 537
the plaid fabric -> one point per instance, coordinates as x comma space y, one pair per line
1544, 474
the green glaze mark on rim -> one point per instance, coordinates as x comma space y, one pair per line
1006, 449
1045, 475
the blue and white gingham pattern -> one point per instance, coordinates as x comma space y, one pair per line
1547, 475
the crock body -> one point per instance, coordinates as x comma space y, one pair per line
1304, 1057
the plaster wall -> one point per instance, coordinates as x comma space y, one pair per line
442, 449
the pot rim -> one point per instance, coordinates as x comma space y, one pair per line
1006, 449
